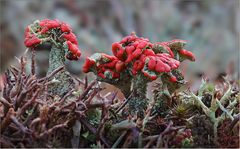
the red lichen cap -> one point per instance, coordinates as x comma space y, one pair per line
148, 52
138, 55
73, 49
149, 74
117, 50
162, 47
31, 40
187, 54
65, 27
105, 66
110, 64
38, 32
71, 37
166, 58
49, 24
88, 64
173, 79
137, 66
159, 63
131, 47
162, 63
152, 63
119, 66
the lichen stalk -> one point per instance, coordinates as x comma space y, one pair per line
139, 102
64, 82
124, 84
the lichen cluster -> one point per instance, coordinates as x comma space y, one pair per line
60, 110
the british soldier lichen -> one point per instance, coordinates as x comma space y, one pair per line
137, 61
63, 45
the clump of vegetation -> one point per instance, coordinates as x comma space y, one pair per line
60, 110
135, 63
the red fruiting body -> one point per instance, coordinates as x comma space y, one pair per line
105, 65
169, 50
152, 77
110, 64
44, 22
49, 24
138, 54
74, 50
88, 64
44, 30
166, 58
31, 41
151, 64
128, 39
189, 55
101, 75
130, 49
71, 37
109, 57
161, 67
137, 66
148, 52
143, 58
71, 57
173, 79
164, 47
134, 46
120, 54
119, 66
162, 63
142, 45
115, 48
65, 27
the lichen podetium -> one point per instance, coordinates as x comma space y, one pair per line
138, 61
63, 45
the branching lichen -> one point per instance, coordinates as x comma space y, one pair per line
226, 104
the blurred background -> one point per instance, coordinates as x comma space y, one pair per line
211, 28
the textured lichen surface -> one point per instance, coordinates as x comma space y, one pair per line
62, 82
138, 103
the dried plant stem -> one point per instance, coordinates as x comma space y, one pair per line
7, 120
116, 143
33, 62
160, 141
93, 130
29, 103
49, 131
